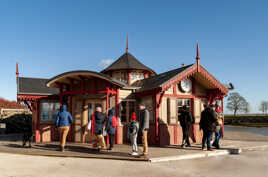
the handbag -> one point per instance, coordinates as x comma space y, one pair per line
89, 125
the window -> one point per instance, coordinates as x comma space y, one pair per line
117, 76
182, 102
131, 105
123, 111
133, 75
124, 77
140, 76
127, 107
49, 110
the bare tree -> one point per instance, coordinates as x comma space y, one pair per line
236, 102
264, 107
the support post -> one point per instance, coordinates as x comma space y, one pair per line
117, 115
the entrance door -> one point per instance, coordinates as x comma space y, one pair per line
89, 108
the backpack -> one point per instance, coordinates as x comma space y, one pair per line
132, 127
114, 121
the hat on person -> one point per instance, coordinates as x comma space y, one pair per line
133, 116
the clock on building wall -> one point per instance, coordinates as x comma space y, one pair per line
186, 85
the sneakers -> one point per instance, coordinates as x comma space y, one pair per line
133, 153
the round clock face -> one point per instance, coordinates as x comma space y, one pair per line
186, 85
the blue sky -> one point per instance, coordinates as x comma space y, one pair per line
51, 37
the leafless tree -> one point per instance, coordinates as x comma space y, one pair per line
264, 107
236, 102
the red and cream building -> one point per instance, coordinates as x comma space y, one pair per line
122, 85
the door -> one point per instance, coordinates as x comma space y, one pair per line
89, 108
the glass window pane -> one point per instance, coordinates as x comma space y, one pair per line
131, 105
123, 111
45, 115
54, 115
179, 102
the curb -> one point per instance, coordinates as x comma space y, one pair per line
196, 156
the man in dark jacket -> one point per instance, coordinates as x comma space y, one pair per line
208, 124
186, 120
144, 126
63, 121
98, 127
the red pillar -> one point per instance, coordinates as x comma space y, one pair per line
117, 115
176, 126
107, 107
157, 105
71, 111
222, 115
37, 123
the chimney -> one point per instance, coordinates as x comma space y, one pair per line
17, 70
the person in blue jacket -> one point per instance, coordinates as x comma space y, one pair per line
111, 126
63, 122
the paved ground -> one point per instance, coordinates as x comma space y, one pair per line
252, 162
248, 164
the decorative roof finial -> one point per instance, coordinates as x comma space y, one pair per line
197, 52
17, 69
127, 45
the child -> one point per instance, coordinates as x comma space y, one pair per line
133, 133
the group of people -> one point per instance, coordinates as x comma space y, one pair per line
211, 121
100, 126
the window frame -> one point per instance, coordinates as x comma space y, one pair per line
54, 111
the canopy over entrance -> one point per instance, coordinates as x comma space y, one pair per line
74, 77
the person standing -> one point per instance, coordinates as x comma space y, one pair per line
111, 124
208, 125
144, 126
218, 131
133, 130
98, 120
186, 120
63, 121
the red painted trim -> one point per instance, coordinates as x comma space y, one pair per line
23, 97
117, 114
37, 125
222, 113
128, 77
193, 107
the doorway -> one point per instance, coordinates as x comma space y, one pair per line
89, 108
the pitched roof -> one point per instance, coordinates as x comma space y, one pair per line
127, 61
158, 80
34, 86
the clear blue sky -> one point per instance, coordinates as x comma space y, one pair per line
53, 36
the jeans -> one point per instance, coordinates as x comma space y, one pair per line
133, 141
207, 137
218, 136
185, 131
111, 140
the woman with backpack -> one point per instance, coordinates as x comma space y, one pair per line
111, 125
